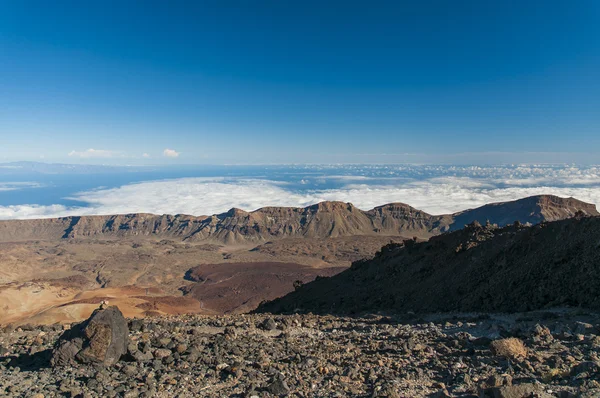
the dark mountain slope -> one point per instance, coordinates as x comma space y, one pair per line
479, 268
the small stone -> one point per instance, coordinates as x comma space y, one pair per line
130, 370
496, 381
268, 324
278, 387
160, 353
131, 394
583, 328
135, 325
143, 356
586, 367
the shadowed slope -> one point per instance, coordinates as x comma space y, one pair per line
479, 268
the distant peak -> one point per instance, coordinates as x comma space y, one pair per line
395, 205
553, 200
331, 206
235, 212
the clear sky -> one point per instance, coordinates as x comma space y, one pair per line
282, 81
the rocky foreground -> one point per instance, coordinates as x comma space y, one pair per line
543, 354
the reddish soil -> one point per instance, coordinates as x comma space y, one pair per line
240, 287
78, 281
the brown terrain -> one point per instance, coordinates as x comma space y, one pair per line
240, 287
58, 270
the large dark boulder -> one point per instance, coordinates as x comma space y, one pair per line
101, 339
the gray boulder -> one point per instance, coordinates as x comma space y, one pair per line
101, 339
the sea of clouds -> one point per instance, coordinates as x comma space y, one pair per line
435, 189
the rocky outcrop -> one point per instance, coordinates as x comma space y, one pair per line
102, 339
322, 220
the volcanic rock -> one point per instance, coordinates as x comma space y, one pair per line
268, 324
101, 339
278, 387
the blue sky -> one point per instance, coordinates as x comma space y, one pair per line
317, 82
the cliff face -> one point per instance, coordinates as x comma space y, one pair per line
322, 220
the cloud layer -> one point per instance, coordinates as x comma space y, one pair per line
95, 153
436, 191
14, 186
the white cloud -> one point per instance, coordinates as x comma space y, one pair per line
145, 155
95, 153
170, 153
435, 189
37, 211
447, 198
13, 186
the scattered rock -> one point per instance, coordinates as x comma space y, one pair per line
372, 356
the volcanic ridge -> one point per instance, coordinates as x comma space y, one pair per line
322, 220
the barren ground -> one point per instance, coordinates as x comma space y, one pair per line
44, 282
450, 355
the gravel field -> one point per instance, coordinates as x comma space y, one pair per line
544, 354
